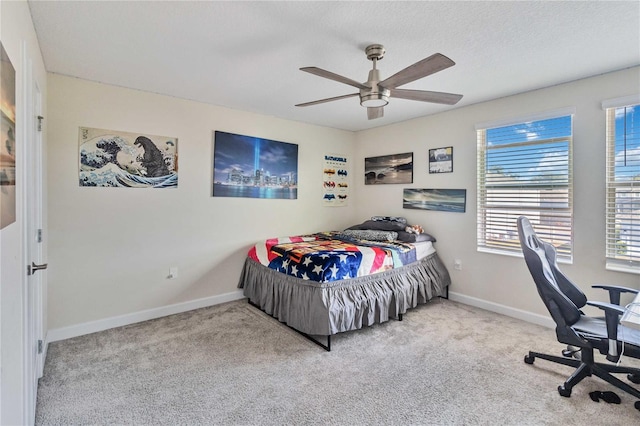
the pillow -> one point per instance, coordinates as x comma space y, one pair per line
367, 234
379, 225
414, 238
390, 219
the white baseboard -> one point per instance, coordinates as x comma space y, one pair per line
504, 310
63, 333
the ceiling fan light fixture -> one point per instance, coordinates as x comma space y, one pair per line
376, 99
373, 102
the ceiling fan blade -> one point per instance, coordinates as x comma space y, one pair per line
426, 96
321, 101
431, 65
333, 76
375, 112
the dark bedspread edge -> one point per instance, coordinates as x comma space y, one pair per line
329, 308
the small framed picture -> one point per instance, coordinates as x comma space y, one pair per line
441, 160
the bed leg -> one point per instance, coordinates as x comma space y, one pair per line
326, 347
446, 293
399, 317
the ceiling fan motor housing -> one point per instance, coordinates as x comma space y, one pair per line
376, 96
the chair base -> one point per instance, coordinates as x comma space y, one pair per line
586, 366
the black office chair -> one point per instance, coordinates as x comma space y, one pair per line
564, 299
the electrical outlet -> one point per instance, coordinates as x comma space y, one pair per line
457, 264
173, 272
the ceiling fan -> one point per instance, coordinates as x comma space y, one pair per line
374, 94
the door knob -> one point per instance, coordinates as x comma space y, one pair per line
31, 269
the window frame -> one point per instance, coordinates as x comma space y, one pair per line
483, 202
612, 262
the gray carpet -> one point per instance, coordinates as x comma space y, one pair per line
446, 363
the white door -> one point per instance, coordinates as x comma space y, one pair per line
35, 268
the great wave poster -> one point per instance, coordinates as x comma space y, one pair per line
129, 160
250, 167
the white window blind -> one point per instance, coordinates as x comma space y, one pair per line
526, 169
623, 188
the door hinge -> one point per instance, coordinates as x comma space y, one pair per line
39, 236
40, 118
40, 344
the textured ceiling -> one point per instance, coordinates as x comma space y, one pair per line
247, 55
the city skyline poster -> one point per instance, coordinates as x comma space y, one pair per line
253, 167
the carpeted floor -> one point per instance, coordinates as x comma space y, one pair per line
445, 364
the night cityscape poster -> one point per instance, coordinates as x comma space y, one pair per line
251, 167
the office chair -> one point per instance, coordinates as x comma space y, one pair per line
564, 299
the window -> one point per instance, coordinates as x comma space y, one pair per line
525, 168
623, 188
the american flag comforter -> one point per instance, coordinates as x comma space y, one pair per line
329, 256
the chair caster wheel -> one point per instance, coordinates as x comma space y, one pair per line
637, 405
529, 359
635, 378
564, 391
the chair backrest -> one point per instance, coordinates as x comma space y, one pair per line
569, 289
550, 282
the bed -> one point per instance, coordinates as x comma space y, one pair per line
332, 282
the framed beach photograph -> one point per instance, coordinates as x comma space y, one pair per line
446, 200
8, 141
251, 167
8, 145
396, 168
441, 160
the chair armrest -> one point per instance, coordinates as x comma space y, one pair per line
607, 307
612, 314
614, 291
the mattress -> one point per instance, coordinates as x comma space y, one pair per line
331, 256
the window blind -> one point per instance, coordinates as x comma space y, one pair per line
526, 169
623, 188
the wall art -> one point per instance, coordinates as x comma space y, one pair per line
251, 167
441, 160
397, 168
112, 158
446, 200
335, 185
8, 140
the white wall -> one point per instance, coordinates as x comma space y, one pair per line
19, 40
111, 248
490, 280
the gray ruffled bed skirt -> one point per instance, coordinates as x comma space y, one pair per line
329, 308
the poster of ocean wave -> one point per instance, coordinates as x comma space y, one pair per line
446, 200
111, 158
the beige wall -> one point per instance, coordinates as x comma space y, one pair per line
490, 280
110, 249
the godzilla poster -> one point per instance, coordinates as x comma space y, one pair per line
131, 160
